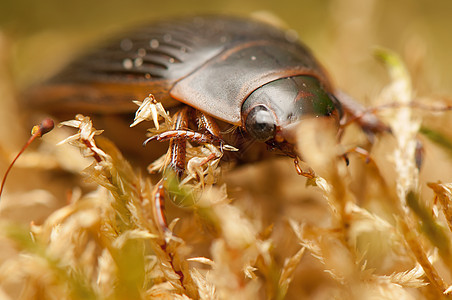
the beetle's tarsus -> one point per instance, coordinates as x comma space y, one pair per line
308, 174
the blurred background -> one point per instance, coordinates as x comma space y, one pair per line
342, 33
37, 38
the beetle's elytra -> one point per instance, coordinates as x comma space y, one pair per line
239, 71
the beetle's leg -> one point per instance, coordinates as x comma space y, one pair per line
187, 135
360, 151
209, 132
370, 124
308, 174
212, 156
207, 124
159, 206
179, 135
177, 146
355, 112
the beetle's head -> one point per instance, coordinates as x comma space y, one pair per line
271, 113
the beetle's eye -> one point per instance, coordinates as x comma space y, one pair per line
261, 124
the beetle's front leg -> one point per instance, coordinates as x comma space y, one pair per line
208, 132
207, 124
177, 146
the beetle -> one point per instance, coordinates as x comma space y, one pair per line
212, 69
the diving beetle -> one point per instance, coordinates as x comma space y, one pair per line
212, 69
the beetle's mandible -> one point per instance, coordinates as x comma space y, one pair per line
212, 69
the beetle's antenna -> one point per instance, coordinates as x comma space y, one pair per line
37, 131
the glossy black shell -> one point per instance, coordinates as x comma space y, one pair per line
210, 63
